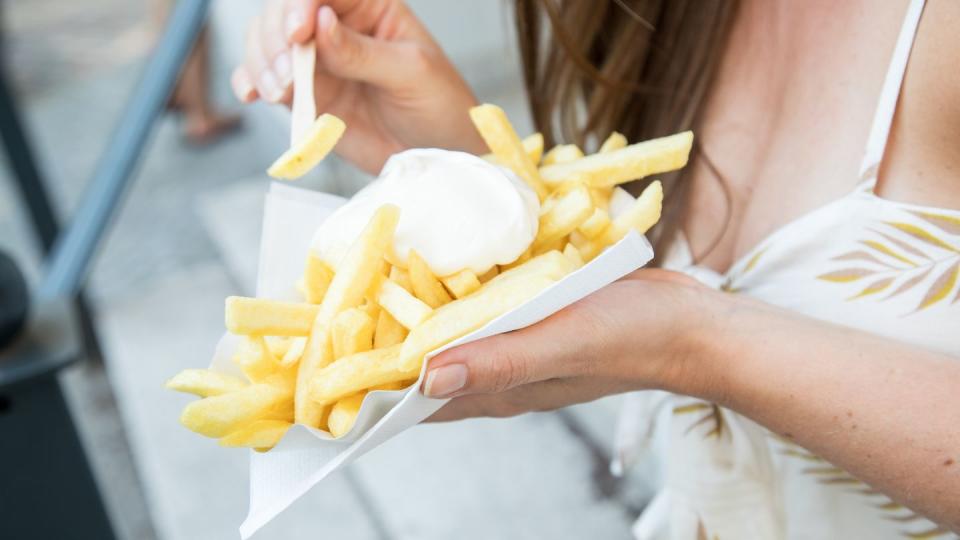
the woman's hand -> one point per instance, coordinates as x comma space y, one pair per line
377, 68
639, 332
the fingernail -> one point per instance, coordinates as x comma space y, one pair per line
242, 87
446, 380
294, 22
327, 20
269, 86
281, 65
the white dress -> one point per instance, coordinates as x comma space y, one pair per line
885, 267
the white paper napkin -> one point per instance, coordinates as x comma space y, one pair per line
305, 456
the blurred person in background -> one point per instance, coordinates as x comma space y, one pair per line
203, 124
799, 340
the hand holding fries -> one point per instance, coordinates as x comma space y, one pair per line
368, 324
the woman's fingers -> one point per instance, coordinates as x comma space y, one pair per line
243, 86
257, 66
273, 40
346, 53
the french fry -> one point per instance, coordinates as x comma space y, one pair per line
595, 224
644, 214
260, 434
344, 413
524, 257
460, 317
217, 416
532, 145
389, 332
498, 133
204, 382
615, 141
570, 210
306, 153
356, 273
278, 345
489, 274
293, 354
405, 308
571, 252
255, 359
401, 277
601, 197
262, 317
630, 163
351, 332
357, 372
552, 265
316, 279
562, 153
462, 283
556, 245
425, 285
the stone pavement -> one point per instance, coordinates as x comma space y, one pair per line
186, 237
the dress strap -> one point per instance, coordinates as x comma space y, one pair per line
883, 117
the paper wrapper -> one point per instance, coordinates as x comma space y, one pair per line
305, 456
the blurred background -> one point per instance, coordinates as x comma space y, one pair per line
187, 235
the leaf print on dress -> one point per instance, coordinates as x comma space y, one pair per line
900, 257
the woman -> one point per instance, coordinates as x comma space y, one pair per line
820, 339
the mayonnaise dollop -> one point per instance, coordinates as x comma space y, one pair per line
457, 210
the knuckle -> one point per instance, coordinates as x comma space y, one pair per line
509, 369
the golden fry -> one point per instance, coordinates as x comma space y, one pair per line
460, 317
361, 265
643, 215
425, 285
306, 153
261, 435
204, 383
615, 141
217, 416
351, 332
262, 317
404, 307
255, 359
462, 283
357, 372
293, 354
571, 209
316, 279
630, 163
496, 130
389, 332
595, 224
562, 153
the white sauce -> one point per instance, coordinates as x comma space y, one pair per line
457, 211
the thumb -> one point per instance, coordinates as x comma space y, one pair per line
346, 53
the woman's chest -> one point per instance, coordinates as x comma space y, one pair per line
785, 125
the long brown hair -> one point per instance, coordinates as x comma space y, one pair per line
640, 67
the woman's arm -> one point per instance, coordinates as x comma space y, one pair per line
886, 412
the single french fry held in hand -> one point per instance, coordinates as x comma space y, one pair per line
629, 163
405, 308
562, 153
204, 382
306, 153
614, 141
261, 435
644, 214
570, 210
261, 317
351, 332
357, 372
361, 265
462, 283
498, 133
217, 416
316, 279
425, 285
460, 317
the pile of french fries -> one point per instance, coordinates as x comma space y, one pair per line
367, 324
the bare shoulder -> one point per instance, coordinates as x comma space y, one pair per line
922, 164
